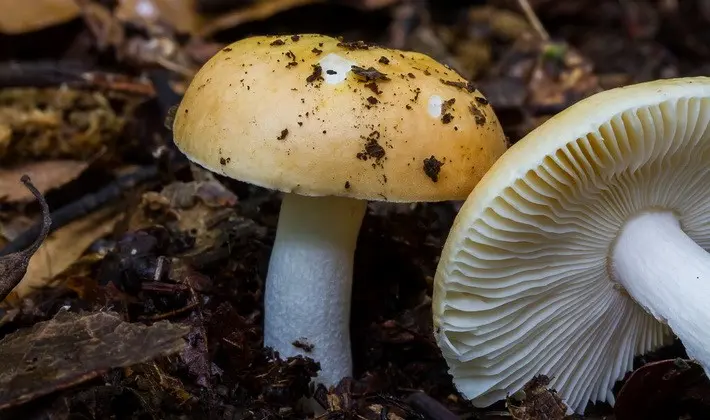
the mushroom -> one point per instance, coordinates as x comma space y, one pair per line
332, 125
583, 246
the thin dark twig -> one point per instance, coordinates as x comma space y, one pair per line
431, 408
48, 73
84, 206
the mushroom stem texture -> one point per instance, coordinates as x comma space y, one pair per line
309, 282
668, 274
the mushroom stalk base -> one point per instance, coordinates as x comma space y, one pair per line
309, 282
668, 274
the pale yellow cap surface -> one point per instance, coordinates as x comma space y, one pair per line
291, 113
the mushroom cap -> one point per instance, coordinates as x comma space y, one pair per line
523, 285
291, 113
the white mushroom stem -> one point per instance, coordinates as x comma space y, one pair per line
309, 282
668, 274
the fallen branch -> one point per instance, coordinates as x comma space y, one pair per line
70, 73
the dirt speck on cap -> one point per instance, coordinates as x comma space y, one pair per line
447, 118
283, 134
383, 60
226, 49
372, 100
481, 100
295, 38
355, 45
277, 42
316, 51
432, 167
467, 86
347, 185
373, 87
478, 115
304, 345
446, 105
316, 75
416, 91
369, 74
372, 149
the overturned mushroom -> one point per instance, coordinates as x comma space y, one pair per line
332, 126
583, 246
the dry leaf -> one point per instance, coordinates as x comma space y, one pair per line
503, 24
13, 266
46, 176
181, 15
258, 11
73, 348
18, 16
62, 248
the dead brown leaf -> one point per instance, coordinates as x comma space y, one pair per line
13, 266
18, 17
181, 15
46, 176
61, 249
73, 348
196, 207
262, 9
503, 24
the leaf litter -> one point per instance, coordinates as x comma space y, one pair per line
75, 347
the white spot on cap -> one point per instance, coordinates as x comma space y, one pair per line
335, 68
434, 106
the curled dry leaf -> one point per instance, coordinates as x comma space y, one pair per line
18, 17
73, 348
46, 176
14, 266
61, 249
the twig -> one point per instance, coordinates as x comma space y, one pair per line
71, 73
534, 20
431, 408
83, 206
